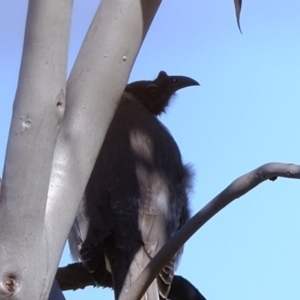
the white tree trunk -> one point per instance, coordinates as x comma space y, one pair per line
34, 226
37, 112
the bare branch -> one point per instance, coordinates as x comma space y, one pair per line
75, 276
235, 190
37, 112
94, 87
33, 231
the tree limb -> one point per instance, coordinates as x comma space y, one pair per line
94, 87
49, 135
75, 276
37, 112
235, 190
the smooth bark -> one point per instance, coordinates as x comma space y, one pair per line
94, 88
53, 143
37, 112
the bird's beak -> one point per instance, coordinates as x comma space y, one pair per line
180, 82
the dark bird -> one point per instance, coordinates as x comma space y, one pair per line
137, 195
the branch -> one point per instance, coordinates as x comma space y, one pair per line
236, 189
75, 276
37, 112
94, 88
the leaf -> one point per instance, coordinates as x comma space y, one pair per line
238, 8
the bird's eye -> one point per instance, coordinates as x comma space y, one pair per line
174, 80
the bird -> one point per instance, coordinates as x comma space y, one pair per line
136, 198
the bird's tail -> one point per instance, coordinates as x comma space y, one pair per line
160, 287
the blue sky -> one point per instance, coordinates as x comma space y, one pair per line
244, 114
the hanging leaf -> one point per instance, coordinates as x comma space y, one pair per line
238, 8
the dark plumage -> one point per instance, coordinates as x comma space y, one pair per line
136, 197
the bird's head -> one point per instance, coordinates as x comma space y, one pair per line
156, 94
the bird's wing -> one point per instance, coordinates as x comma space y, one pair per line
85, 243
153, 212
